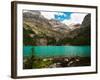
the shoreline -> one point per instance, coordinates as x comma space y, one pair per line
55, 62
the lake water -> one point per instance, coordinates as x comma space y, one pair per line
52, 51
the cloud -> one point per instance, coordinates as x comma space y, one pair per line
65, 17
61, 16
75, 18
48, 15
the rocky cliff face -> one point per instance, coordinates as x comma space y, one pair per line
82, 35
87, 21
40, 31
58, 26
74, 26
85, 29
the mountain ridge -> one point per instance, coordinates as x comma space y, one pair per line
41, 31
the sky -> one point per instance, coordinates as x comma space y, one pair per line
65, 17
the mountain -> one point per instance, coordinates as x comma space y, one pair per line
74, 26
38, 30
85, 30
82, 35
41, 29
58, 26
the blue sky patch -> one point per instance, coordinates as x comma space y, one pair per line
61, 16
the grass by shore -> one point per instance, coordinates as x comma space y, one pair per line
33, 62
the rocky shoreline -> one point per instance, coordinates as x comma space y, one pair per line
55, 62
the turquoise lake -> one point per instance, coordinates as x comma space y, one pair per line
52, 51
